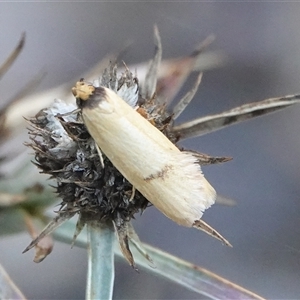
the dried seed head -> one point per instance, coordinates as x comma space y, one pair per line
88, 183
65, 150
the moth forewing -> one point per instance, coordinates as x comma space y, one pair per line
171, 180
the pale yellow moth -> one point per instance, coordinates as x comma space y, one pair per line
170, 179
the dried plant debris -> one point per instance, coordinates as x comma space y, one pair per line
149, 87
3, 69
12, 57
65, 150
174, 76
242, 113
9, 199
5, 128
4, 131
88, 183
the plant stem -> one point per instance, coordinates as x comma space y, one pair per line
101, 272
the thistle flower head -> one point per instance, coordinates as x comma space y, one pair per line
88, 183
65, 150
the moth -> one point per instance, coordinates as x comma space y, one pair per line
170, 179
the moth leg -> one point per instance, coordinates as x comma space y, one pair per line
100, 156
132, 194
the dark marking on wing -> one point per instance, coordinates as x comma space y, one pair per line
161, 174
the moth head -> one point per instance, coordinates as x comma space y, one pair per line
90, 97
83, 90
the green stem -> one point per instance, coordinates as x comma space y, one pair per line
173, 268
101, 272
